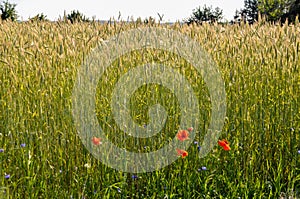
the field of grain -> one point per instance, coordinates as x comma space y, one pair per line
42, 156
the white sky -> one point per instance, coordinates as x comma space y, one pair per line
104, 9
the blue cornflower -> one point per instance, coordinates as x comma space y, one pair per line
23, 145
7, 176
119, 190
298, 151
202, 169
134, 177
199, 148
1, 150
195, 142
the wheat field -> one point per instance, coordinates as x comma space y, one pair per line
42, 156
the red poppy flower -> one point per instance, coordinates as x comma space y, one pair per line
183, 135
96, 141
182, 153
223, 143
190, 129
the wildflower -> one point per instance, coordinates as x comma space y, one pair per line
87, 165
195, 142
202, 169
119, 190
23, 145
182, 153
134, 177
298, 151
96, 141
7, 176
199, 148
223, 143
1, 150
182, 135
190, 129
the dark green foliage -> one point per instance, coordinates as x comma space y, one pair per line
293, 11
207, 14
251, 10
249, 13
280, 10
272, 10
8, 11
76, 16
39, 17
239, 16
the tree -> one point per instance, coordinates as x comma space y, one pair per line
273, 10
251, 10
249, 13
8, 11
280, 10
239, 16
293, 8
76, 16
207, 14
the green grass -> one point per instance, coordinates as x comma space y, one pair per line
260, 68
